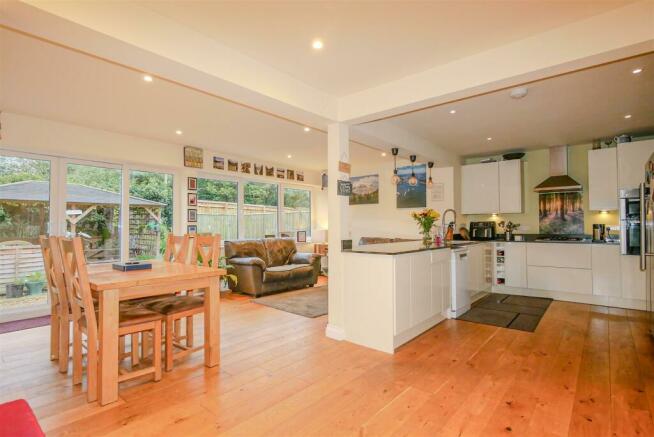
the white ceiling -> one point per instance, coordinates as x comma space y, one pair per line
47, 81
569, 109
370, 44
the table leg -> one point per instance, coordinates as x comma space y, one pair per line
108, 366
212, 323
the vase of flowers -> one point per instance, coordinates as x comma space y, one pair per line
426, 220
508, 227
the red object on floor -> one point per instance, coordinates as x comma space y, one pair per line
18, 420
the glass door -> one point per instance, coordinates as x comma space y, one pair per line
25, 197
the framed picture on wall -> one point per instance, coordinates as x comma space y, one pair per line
192, 216
192, 229
193, 157
192, 183
258, 169
290, 174
301, 236
192, 199
218, 163
299, 176
270, 171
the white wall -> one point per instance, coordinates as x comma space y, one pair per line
22, 133
385, 219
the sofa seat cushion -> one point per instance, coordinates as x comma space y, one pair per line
287, 272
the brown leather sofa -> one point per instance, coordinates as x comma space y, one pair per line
270, 265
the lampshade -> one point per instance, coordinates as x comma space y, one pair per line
319, 236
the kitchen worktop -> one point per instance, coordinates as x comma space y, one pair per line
534, 238
408, 247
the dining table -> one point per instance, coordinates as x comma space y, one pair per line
112, 286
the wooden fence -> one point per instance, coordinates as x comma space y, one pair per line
17, 260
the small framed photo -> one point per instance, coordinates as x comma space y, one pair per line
192, 183
218, 163
192, 199
192, 229
301, 236
192, 216
193, 157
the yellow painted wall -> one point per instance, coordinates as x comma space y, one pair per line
535, 168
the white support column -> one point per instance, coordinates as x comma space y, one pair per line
338, 149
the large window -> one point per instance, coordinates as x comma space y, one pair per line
260, 203
297, 210
150, 213
217, 208
93, 205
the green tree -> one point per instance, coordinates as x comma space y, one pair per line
260, 194
217, 191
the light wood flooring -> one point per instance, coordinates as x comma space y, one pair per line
586, 371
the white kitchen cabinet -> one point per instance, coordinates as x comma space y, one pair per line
579, 281
570, 255
510, 186
515, 264
480, 188
440, 280
633, 281
631, 162
603, 179
606, 270
478, 268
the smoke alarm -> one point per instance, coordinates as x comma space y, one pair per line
518, 93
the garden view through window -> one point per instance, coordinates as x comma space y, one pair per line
297, 211
217, 208
260, 209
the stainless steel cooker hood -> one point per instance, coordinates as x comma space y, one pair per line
559, 181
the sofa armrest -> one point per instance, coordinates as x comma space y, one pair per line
305, 258
247, 261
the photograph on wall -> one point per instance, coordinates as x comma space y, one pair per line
192, 229
560, 213
192, 216
290, 174
365, 190
301, 237
246, 167
192, 183
281, 173
412, 196
218, 163
192, 199
193, 157
258, 169
270, 171
299, 176
232, 165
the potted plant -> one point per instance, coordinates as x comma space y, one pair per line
16, 288
426, 220
35, 282
508, 227
229, 277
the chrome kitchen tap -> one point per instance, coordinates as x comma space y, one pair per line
444, 225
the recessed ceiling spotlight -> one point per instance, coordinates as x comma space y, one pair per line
489, 138
147, 78
628, 116
178, 132
637, 71
518, 93
289, 156
383, 154
307, 129
317, 44
452, 111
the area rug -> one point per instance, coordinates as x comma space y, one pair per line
19, 325
308, 302
514, 312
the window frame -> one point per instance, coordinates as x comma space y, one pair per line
283, 187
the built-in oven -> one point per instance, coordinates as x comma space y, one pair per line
630, 222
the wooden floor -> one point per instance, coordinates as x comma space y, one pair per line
586, 371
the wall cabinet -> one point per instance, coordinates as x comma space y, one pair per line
603, 179
631, 162
515, 264
606, 270
492, 187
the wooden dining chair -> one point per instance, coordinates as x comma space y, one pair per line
177, 248
206, 252
60, 313
132, 320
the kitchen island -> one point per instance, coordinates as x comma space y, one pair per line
396, 291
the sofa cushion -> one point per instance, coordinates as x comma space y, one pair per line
287, 272
279, 250
246, 249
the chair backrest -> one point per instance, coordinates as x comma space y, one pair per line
54, 273
77, 282
206, 250
177, 249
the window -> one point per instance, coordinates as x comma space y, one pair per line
150, 213
260, 202
24, 215
297, 210
93, 205
217, 208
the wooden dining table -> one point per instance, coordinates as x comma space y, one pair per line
113, 286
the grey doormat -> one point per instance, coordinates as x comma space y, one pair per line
507, 311
308, 302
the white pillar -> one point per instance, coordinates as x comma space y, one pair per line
338, 150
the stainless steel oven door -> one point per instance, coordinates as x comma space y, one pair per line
630, 237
